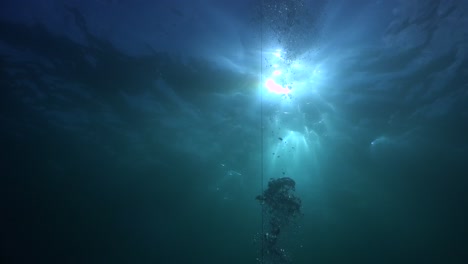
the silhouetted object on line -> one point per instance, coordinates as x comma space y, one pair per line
280, 208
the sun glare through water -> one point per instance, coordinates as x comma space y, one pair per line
293, 143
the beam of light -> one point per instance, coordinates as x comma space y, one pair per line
295, 154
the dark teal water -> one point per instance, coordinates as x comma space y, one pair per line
142, 132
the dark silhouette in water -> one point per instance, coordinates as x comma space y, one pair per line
281, 206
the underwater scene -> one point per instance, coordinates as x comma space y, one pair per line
222, 131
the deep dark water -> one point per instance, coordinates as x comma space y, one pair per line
144, 144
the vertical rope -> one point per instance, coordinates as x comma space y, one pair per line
261, 130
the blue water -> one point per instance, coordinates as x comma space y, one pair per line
142, 131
